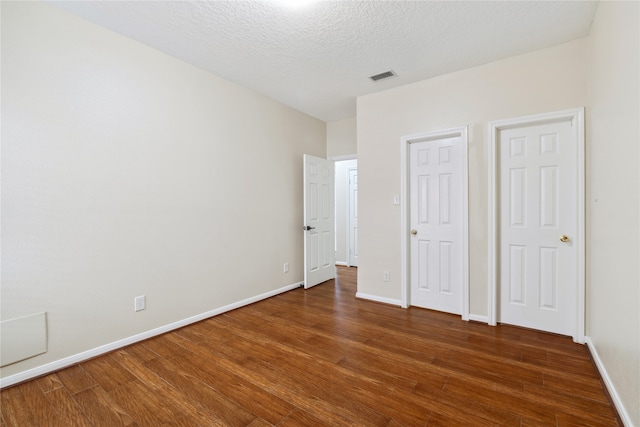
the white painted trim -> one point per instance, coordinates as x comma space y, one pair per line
405, 277
575, 115
582, 225
344, 264
349, 229
465, 223
377, 298
622, 411
89, 354
478, 318
492, 227
405, 295
345, 157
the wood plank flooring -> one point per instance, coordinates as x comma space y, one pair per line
323, 358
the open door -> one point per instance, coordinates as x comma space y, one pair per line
319, 220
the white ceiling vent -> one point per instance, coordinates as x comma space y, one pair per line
382, 76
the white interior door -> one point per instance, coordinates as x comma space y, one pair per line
319, 220
538, 226
353, 218
437, 260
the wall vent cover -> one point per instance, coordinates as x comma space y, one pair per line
382, 76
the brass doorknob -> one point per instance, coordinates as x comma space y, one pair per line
564, 238
414, 231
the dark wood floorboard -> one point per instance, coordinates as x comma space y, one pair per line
321, 357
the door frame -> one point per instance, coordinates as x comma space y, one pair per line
336, 159
576, 116
405, 276
350, 236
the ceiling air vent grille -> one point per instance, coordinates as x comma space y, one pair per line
382, 76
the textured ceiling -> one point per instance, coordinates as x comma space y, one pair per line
317, 58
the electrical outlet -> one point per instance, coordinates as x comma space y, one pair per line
140, 303
285, 267
386, 276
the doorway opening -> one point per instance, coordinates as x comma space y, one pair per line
346, 207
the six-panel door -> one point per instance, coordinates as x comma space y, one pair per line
319, 218
538, 201
436, 218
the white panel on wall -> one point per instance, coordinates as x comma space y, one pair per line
23, 338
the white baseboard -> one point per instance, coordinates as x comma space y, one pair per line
342, 263
479, 318
379, 299
622, 411
89, 354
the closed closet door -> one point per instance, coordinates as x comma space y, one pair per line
436, 224
538, 227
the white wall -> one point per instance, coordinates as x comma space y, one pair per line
547, 80
613, 197
342, 208
341, 138
127, 172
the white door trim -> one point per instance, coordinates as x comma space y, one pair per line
341, 158
350, 236
405, 278
576, 116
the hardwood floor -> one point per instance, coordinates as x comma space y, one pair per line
323, 358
